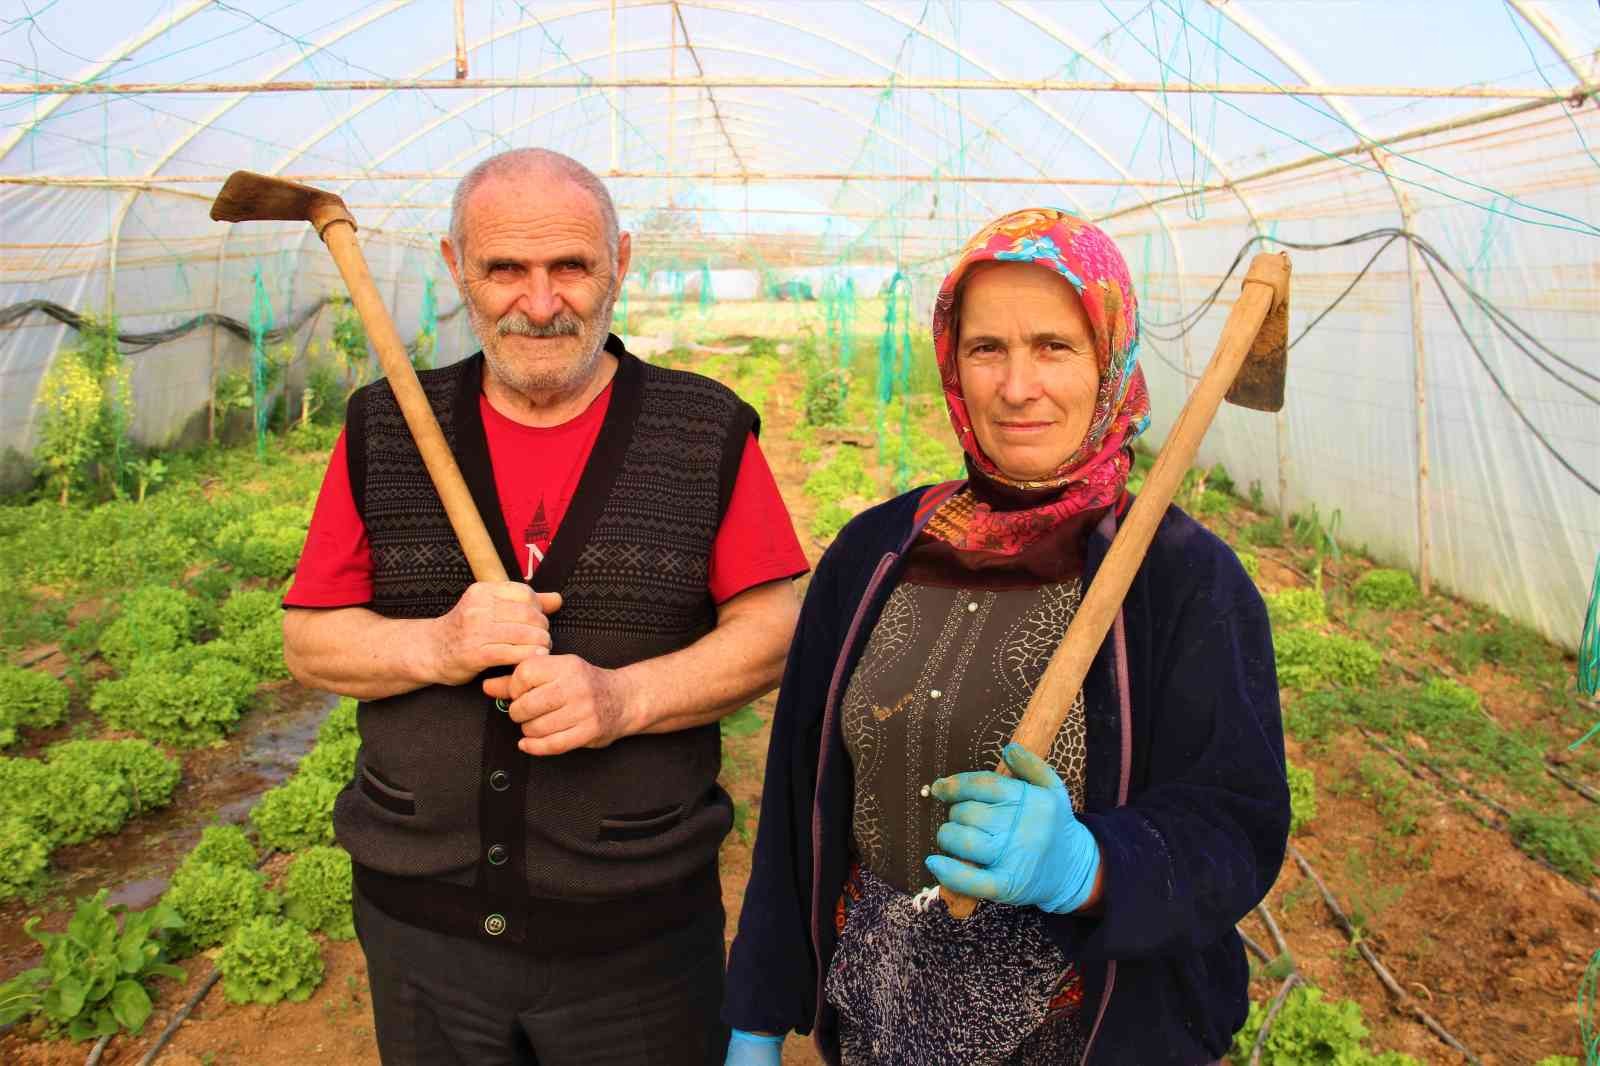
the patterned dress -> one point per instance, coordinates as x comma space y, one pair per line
939, 689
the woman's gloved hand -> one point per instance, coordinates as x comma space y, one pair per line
1018, 838
753, 1049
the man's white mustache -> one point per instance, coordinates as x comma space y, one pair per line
562, 325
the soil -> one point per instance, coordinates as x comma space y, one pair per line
1490, 944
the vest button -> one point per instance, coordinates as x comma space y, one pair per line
498, 855
502, 706
494, 924
499, 780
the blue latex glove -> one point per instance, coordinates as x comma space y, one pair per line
1018, 836
750, 1049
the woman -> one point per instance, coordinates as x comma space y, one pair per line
1117, 868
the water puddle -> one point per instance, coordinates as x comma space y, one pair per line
220, 785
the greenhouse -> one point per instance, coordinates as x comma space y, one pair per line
1421, 517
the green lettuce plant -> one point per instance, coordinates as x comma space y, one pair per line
267, 543
1294, 606
1385, 590
297, 814
1311, 1031
24, 857
1308, 659
1302, 798
154, 619
268, 960
186, 698
224, 845
95, 977
29, 699
149, 778
317, 892
214, 899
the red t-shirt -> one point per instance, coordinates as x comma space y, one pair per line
536, 471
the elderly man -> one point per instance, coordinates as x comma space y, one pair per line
535, 817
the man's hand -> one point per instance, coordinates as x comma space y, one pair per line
564, 702
495, 623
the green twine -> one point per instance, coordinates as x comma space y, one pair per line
1589, 645
894, 372
707, 297
839, 305
260, 323
428, 328
1587, 1025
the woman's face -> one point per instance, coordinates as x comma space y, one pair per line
1027, 364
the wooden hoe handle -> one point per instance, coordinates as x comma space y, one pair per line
1266, 288
339, 234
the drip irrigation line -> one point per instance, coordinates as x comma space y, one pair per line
1255, 949
178, 1018
1495, 824
98, 1050
1272, 928
1405, 1000
1577, 786
1272, 1013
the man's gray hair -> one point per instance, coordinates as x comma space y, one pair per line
527, 162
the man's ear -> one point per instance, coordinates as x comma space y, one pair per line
624, 256
448, 250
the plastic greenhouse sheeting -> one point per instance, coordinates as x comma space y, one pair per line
835, 141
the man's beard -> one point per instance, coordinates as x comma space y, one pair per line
546, 375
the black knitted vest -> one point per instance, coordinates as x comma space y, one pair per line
450, 825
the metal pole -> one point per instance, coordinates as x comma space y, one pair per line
613, 92
703, 175
461, 42
1038, 85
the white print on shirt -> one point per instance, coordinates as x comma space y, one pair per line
538, 532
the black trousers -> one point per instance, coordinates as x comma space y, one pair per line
439, 1000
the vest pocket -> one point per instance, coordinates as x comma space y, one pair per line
643, 824
386, 795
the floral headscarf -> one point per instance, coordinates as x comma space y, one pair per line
1094, 475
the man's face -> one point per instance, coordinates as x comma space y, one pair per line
538, 280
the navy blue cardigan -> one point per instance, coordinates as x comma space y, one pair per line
1197, 845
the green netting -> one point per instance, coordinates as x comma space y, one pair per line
260, 367
894, 375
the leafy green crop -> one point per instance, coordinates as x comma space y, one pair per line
1308, 659
267, 543
1251, 564
154, 619
252, 629
333, 760
186, 698
341, 721
268, 960
24, 858
1386, 590
1309, 1031
94, 978
297, 814
318, 894
1302, 797
841, 477
224, 845
1294, 606
29, 699
149, 777
213, 899
829, 519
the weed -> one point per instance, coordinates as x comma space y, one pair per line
1266, 533
1570, 845
1366, 898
